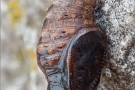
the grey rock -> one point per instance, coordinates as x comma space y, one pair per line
117, 18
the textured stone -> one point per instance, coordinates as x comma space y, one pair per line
117, 18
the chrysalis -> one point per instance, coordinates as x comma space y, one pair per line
71, 50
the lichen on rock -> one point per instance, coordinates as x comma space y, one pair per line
117, 18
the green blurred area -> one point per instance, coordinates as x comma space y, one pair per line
21, 23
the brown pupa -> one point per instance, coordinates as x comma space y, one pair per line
71, 50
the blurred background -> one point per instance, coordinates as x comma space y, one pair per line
21, 23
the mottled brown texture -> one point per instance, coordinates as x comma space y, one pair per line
64, 20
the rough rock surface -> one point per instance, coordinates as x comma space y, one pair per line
117, 18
